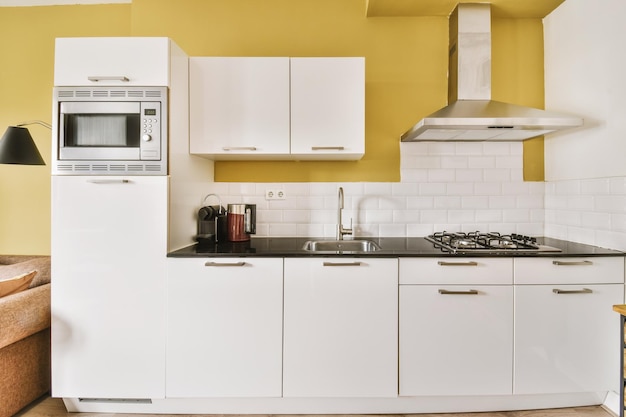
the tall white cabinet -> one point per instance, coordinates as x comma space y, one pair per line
108, 297
111, 234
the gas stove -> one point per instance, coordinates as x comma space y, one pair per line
487, 243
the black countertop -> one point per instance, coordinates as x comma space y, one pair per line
391, 247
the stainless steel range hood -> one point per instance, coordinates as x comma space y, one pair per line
471, 114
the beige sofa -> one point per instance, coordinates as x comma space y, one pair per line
24, 334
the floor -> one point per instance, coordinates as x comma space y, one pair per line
53, 407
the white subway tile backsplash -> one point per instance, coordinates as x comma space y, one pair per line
475, 202
461, 216
488, 216
441, 175
432, 188
379, 216
469, 175
460, 188
497, 175
481, 162
511, 162
454, 162
496, 148
464, 186
420, 202
469, 148
595, 186
414, 175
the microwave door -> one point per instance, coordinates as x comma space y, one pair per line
99, 131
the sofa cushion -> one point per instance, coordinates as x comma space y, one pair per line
24, 314
12, 265
16, 284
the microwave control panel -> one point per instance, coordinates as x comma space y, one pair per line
150, 148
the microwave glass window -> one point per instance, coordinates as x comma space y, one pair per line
102, 130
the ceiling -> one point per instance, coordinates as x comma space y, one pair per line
499, 8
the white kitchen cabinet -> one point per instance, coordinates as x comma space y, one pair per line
239, 106
277, 108
340, 327
224, 327
327, 108
114, 61
109, 242
564, 331
456, 339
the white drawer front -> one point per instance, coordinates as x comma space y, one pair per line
460, 271
565, 270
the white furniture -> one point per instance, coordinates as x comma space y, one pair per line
109, 240
225, 327
277, 108
340, 325
564, 324
111, 235
456, 326
113, 61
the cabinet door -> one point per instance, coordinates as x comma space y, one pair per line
109, 246
456, 340
224, 327
341, 327
566, 342
328, 108
112, 61
239, 107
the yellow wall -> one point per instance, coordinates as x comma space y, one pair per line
406, 66
26, 80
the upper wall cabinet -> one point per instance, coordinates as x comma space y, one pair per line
114, 61
277, 108
239, 107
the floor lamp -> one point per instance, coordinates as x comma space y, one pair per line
18, 147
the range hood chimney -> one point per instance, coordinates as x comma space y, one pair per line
471, 115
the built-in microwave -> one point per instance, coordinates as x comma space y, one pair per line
109, 131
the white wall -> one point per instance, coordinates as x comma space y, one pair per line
585, 74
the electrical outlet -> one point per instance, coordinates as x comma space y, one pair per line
274, 194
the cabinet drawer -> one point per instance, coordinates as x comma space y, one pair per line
459, 271
561, 270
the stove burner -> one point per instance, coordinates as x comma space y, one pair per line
491, 242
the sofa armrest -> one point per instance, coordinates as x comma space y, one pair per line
24, 314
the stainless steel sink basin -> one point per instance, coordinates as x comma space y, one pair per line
341, 246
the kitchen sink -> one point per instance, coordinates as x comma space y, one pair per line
341, 246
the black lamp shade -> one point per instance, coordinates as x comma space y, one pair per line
17, 147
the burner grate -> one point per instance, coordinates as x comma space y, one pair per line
481, 242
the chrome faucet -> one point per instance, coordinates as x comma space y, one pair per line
340, 230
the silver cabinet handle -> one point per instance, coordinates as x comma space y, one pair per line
224, 263
566, 263
96, 78
327, 148
108, 181
470, 263
343, 263
583, 291
469, 292
239, 148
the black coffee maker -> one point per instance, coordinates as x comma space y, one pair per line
212, 223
